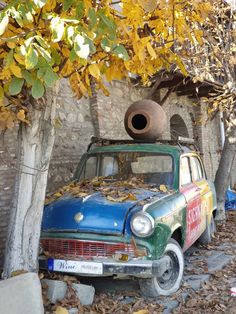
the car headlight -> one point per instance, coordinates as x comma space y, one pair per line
142, 224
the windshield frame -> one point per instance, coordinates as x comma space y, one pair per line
85, 157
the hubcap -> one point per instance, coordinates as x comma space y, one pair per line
167, 280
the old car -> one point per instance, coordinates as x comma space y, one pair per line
132, 209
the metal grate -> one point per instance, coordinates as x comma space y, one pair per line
78, 248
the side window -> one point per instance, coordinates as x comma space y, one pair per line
185, 175
196, 168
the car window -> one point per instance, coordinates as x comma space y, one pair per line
152, 164
90, 169
109, 166
196, 168
185, 175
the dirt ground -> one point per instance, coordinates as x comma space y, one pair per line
213, 297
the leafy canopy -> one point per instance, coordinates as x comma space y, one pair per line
89, 40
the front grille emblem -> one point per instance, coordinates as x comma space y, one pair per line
78, 217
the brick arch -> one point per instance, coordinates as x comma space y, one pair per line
178, 127
181, 106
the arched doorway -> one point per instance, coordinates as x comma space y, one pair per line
178, 127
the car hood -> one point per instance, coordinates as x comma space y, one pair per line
93, 213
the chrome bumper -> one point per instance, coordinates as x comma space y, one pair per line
137, 268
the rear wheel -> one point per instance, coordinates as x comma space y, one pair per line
170, 281
209, 232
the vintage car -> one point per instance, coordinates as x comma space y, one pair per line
138, 207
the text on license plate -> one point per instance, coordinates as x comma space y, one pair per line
75, 266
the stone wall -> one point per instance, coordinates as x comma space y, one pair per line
111, 110
73, 134
7, 178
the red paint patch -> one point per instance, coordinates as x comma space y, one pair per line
193, 221
193, 213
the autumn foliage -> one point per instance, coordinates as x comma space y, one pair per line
88, 40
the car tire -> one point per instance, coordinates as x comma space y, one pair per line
208, 233
171, 279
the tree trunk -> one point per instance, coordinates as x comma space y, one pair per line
224, 171
223, 177
35, 143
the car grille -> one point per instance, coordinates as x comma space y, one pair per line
78, 248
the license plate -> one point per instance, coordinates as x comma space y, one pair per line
75, 266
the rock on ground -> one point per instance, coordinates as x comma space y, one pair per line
217, 261
21, 294
56, 290
85, 293
195, 281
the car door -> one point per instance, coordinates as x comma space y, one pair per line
193, 202
206, 195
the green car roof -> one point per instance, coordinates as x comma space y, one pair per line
151, 148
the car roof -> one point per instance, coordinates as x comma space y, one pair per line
143, 147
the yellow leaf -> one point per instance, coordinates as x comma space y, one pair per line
21, 115
87, 4
11, 44
104, 90
58, 194
16, 70
148, 5
19, 58
5, 74
65, 52
67, 69
117, 199
132, 197
151, 50
61, 310
163, 188
181, 65
1, 92
114, 72
199, 34
50, 5
142, 312
94, 70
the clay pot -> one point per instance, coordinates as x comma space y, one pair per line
145, 120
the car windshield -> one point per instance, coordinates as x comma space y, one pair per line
154, 169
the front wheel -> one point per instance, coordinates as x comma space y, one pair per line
170, 281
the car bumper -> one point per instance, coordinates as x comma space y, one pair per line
137, 268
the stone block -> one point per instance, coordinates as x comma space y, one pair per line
217, 261
85, 293
21, 294
56, 289
195, 281
168, 304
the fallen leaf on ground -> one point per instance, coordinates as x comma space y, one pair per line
61, 310
142, 312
